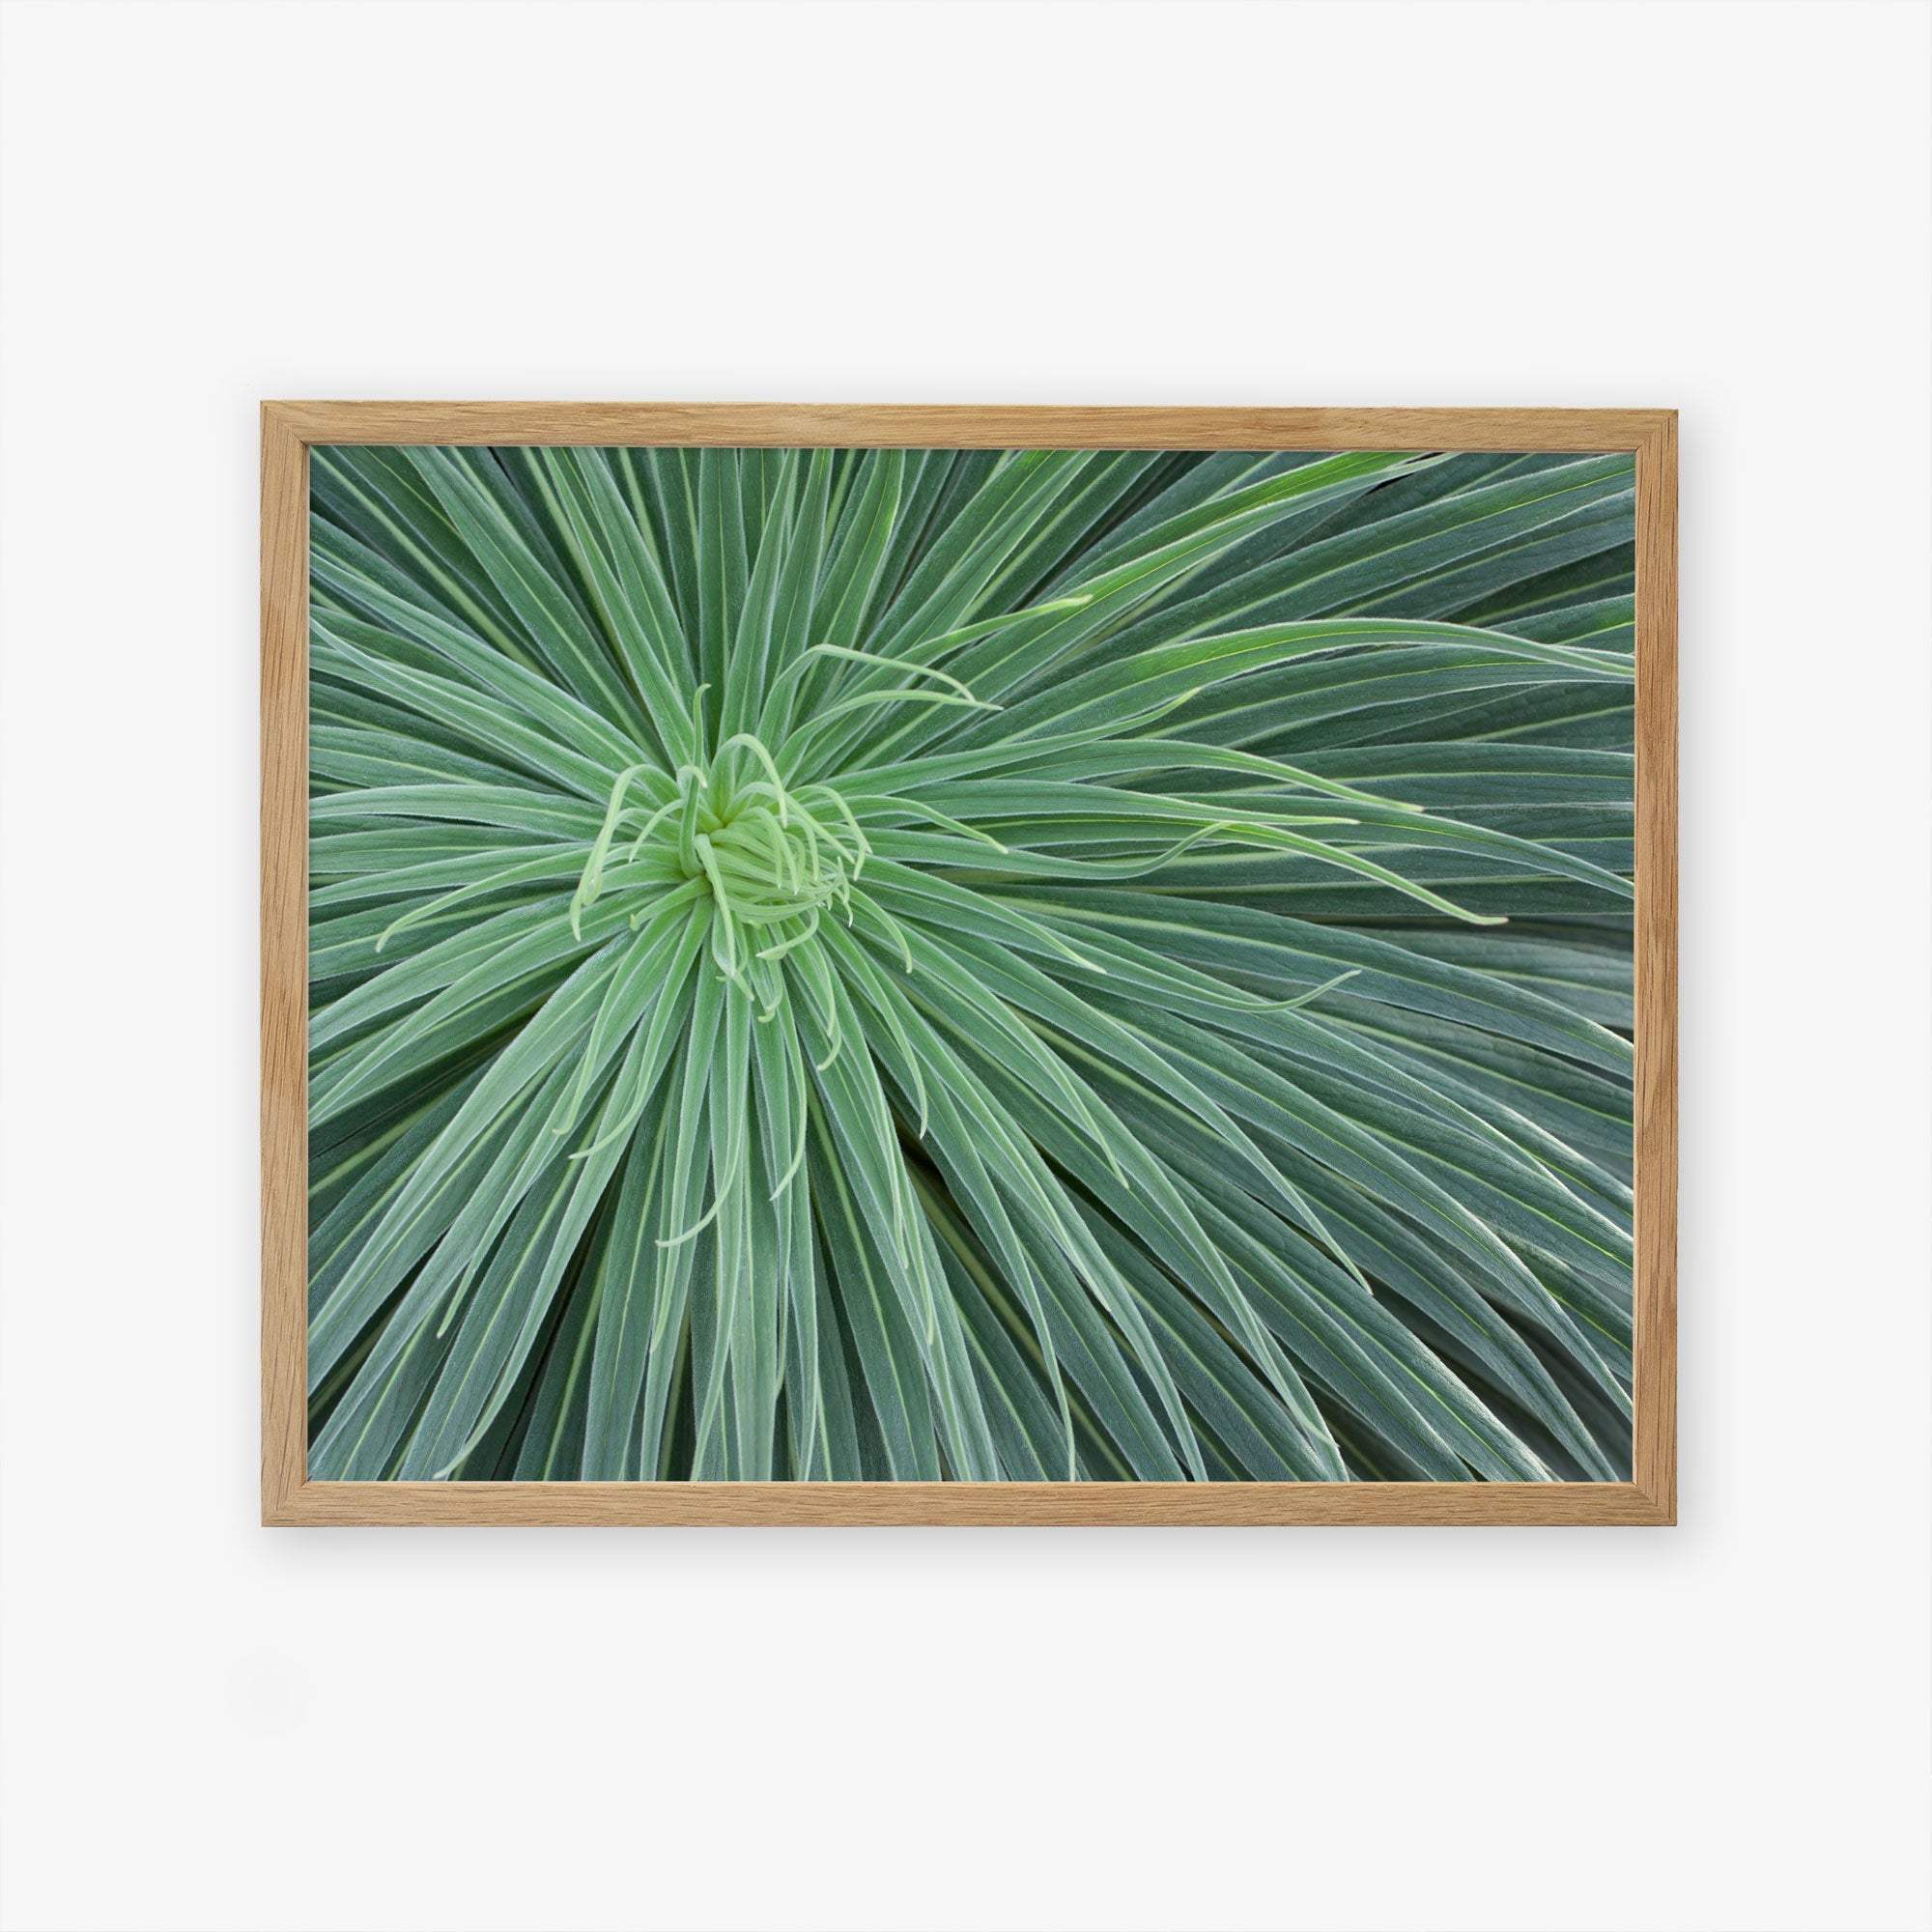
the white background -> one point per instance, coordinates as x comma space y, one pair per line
218, 1728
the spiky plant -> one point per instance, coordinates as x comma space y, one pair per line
932, 964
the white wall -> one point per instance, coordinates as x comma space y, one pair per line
218, 1728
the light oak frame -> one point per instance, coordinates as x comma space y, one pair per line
288, 1495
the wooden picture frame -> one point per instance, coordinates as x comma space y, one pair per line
290, 1498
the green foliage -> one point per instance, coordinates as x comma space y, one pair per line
934, 964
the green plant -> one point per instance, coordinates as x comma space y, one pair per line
932, 964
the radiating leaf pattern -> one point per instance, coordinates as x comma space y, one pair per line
930, 964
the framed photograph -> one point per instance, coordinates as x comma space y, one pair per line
979, 966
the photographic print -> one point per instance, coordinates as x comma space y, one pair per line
968, 966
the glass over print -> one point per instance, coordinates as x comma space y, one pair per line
936, 964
